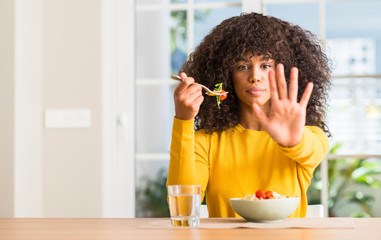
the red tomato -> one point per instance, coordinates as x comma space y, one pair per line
260, 194
269, 194
223, 97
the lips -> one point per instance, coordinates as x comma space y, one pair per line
256, 91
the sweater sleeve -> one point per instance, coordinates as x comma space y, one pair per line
311, 150
188, 157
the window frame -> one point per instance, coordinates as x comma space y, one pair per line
247, 6
118, 117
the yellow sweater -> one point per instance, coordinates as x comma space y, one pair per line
237, 162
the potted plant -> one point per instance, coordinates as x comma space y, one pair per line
349, 182
151, 196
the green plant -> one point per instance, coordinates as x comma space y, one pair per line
151, 196
349, 181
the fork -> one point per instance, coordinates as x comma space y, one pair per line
208, 91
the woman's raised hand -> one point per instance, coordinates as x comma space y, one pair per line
286, 119
188, 98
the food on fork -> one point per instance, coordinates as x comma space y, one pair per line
220, 90
260, 195
208, 91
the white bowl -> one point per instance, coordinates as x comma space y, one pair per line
266, 210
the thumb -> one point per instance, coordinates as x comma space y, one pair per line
259, 114
183, 75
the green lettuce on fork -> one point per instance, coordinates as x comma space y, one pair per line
220, 98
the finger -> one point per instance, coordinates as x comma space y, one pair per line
194, 87
188, 95
195, 107
199, 100
187, 81
183, 75
273, 87
190, 101
307, 94
293, 91
194, 91
194, 102
263, 119
281, 81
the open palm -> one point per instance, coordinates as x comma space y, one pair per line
286, 119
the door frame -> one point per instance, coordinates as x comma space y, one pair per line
118, 49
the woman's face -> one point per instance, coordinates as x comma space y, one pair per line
251, 81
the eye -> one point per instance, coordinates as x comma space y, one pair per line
243, 67
266, 66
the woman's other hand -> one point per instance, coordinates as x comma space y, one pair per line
286, 119
188, 98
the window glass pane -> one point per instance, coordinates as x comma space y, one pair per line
152, 44
355, 21
352, 56
353, 187
354, 115
314, 190
306, 15
154, 117
206, 20
151, 194
178, 40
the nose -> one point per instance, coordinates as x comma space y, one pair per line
255, 75
255, 79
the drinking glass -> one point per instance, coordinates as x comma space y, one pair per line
184, 205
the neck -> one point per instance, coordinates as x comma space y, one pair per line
249, 120
251, 124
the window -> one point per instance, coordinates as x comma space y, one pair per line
347, 181
166, 31
349, 30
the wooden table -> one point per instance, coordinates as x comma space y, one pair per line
110, 229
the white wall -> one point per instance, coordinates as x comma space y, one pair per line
51, 58
72, 80
7, 104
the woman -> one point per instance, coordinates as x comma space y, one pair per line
270, 132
